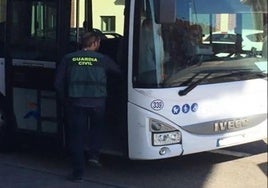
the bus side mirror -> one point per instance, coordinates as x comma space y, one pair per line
165, 11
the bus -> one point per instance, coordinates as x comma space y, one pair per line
190, 82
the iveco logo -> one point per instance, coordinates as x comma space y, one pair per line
230, 125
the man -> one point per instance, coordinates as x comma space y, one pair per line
150, 62
81, 86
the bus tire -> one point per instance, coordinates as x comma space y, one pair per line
7, 139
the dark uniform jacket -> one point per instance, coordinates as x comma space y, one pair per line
81, 78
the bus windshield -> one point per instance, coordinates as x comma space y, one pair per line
225, 41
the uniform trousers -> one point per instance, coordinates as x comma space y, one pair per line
79, 132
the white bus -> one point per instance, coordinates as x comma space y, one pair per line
182, 90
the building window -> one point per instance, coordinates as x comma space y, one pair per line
108, 23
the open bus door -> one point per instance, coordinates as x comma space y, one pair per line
2, 67
2, 45
88, 15
32, 54
40, 32
7, 120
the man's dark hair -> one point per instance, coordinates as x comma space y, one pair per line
89, 38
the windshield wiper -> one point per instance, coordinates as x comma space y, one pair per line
210, 72
193, 84
251, 74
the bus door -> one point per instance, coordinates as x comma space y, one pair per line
2, 45
106, 18
32, 42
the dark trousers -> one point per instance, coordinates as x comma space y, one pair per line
79, 133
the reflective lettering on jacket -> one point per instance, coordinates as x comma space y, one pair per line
85, 61
87, 77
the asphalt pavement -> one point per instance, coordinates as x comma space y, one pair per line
218, 169
16, 176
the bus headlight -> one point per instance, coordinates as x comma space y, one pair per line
164, 134
167, 138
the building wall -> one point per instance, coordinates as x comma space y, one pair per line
100, 8
108, 8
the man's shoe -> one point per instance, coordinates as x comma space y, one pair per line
75, 179
94, 163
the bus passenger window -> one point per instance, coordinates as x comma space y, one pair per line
33, 30
2, 25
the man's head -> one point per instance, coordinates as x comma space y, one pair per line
91, 41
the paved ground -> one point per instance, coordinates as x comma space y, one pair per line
21, 177
248, 172
204, 170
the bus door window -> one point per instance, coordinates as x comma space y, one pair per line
33, 30
2, 26
151, 53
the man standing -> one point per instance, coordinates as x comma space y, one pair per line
81, 86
